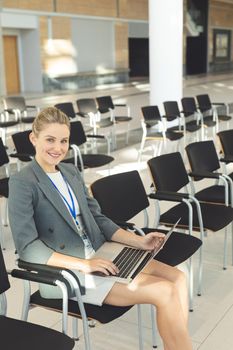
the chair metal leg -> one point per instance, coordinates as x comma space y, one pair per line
5, 220
2, 241
154, 327
75, 328
232, 242
190, 287
140, 335
225, 249
26, 300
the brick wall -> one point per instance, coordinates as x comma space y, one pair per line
121, 45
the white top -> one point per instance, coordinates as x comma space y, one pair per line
62, 186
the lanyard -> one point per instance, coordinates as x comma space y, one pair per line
71, 207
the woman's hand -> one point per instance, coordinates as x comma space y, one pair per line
151, 240
98, 266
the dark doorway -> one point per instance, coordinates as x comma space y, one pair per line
197, 42
139, 57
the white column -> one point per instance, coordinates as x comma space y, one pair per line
2, 68
166, 45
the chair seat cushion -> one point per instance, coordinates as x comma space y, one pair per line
20, 335
104, 123
214, 194
215, 217
8, 123
224, 117
121, 119
96, 160
27, 119
178, 248
103, 314
192, 126
208, 121
173, 136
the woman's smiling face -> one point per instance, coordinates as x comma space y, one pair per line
51, 145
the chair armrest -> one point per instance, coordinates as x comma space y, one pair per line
169, 196
126, 225
83, 115
95, 136
218, 104
22, 156
227, 159
31, 106
37, 277
120, 104
204, 174
48, 269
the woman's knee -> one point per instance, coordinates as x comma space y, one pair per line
180, 279
168, 293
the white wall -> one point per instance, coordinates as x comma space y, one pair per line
138, 30
32, 70
94, 41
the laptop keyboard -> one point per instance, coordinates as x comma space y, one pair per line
127, 259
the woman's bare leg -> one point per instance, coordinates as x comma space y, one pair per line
175, 276
150, 289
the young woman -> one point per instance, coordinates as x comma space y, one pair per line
54, 221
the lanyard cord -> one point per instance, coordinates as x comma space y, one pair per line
71, 207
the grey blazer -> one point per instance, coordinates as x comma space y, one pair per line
40, 221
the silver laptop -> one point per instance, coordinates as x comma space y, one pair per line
130, 261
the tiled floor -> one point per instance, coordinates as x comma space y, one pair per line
211, 322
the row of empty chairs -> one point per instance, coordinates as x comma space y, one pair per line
95, 110
195, 115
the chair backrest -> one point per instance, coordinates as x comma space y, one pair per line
150, 114
77, 134
202, 156
14, 102
168, 172
67, 108
22, 143
120, 196
204, 102
104, 103
86, 105
189, 106
4, 159
171, 110
4, 281
226, 139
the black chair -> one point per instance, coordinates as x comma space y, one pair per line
105, 105
204, 164
211, 109
171, 182
188, 122
4, 189
122, 197
81, 160
74, 308
87, 108
7, 120
23, 147
226, 141
17, 105
67, 108
190, 110
21, 335
153, 128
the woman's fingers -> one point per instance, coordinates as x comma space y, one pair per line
104, 266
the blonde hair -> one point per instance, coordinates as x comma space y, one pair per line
49, 115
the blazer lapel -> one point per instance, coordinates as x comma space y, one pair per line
52, 195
